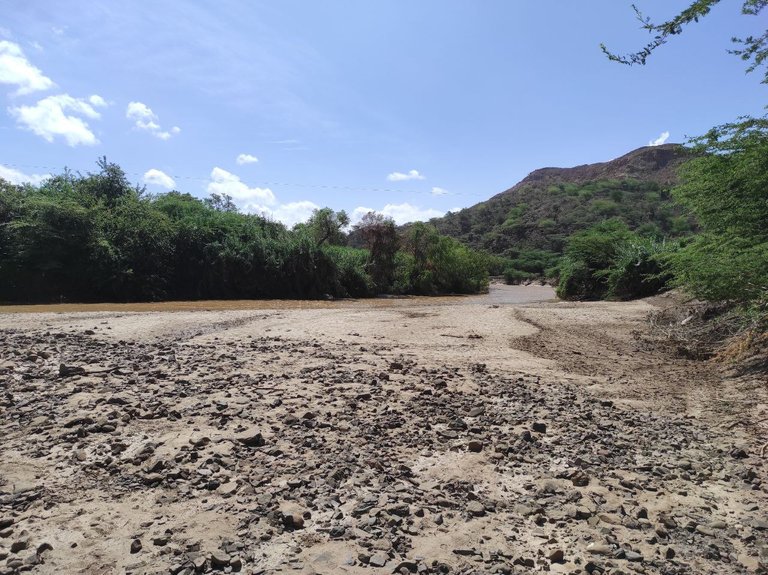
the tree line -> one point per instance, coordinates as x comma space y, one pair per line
97, 237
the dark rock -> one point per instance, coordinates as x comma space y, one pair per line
220, 559
251, 438
475, 446
557, 556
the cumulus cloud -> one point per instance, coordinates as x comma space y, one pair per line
17, 71
97, 101
59, 116
663, 137
17, 177
246, 159
400, 177
146, 120
224, 182
289, 214
400, 213
439, 191
159, 178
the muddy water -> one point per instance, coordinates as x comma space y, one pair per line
498, 294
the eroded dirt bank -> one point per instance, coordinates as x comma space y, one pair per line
416, 436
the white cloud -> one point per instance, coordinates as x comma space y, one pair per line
145, 119
97, 101
289, 214
439, 191
401, 213
16, 70
400, 177
48, 119
159, 178
246, 159
660, 140
17, 177
224, 182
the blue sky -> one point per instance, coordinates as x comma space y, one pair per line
407, 107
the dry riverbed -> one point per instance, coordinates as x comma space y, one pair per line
493, 434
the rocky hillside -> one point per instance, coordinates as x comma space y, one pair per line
541, 211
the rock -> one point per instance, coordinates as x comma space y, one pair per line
135, 546
599, 549
199, 440
399, 509
739, 453
476, 508
633, 556
580, 479
465, 551
19, 545
70, 370
557, 556
220, 559
475, 446
406, 566
228, 489
378, 560
251, 438
539, 427
293, 521
670, 553
476, 411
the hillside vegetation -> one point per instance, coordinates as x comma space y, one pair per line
530, 223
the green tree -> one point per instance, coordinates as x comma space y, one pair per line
726, 188
326, 226
380, 237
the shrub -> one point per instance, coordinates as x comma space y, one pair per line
636, 270
514, 276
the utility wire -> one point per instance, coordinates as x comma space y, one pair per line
265, 183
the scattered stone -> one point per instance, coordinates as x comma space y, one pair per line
539, 427
475, 446
557, 556
378, 560
251, 438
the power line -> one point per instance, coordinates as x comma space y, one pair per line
51, 169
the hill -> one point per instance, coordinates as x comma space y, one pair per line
533, 219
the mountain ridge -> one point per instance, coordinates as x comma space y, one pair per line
652, 162
549, 204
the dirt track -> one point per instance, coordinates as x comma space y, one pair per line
454, 435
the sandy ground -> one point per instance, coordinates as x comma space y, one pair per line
502, 433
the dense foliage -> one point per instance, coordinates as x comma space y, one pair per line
609, 260
97, 238
727, 190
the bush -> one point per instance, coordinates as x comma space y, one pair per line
577, 281
588, 254
514, 276
726, 188
636, 270
353, 281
